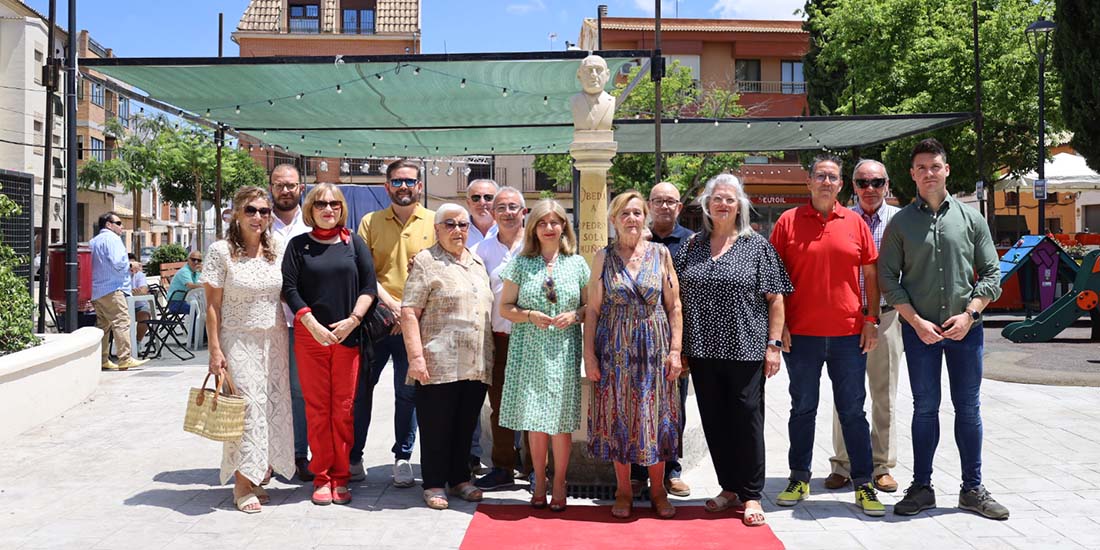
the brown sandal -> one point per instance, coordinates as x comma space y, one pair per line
624, 503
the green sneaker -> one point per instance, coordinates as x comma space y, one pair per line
795, 492
867, 498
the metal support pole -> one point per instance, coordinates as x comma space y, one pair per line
601, 12
50, 75
1042, 139
978, 120
219, 137
71, 245
658, 72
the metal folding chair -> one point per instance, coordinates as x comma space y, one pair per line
168, 326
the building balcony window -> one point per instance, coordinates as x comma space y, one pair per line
358, 22
97, 94
770, 87
304, 19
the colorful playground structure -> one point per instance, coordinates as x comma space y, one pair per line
1035, 265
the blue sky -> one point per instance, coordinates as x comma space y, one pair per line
157, 28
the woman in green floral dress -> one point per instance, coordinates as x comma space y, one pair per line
544, 294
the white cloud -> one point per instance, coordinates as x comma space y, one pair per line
524, 9
755, 9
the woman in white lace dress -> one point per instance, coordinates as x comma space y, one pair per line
247, 332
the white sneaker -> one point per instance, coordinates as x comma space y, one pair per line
402, 473
357, 472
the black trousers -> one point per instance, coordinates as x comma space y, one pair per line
447, 414
730, 396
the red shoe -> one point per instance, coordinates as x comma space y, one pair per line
322, 496
341, 495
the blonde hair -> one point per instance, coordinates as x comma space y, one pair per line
315, 194
618, 204
235, 237
543, 208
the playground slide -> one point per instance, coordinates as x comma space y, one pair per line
1063, 312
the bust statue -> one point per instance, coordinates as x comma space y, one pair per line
593, 109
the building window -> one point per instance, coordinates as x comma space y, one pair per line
747, 75
794, 82
98, 150
1012, 198
97, 94
124, 112
39, 61
79, 147
358, 21
305, 18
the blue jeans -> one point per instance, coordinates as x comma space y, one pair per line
297, 406
180, 306
964, 376
404, 416
847, 367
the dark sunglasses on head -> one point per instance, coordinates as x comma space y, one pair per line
551, 292
451, 225
321, 205
250, 210
407, 182
872, 182
478, 198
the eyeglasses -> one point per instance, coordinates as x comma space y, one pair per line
510, 208
321, 205
451, 225
870, 182
250, 210
551, 292
488, 197
821, 177
115, 222
407, 182
728, 201
284, 186
667, 203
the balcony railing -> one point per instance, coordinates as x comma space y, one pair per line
305, 26
770, 87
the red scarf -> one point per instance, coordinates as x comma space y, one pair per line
326, 234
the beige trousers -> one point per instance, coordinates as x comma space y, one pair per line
882, 380
111, 315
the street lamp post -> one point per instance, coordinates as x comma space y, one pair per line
1037, 35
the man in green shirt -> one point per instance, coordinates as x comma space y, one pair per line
939, 269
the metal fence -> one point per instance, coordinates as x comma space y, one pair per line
16, 231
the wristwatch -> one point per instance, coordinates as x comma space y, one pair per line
975, 315
776, 343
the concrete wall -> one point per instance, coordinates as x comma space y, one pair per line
40, 383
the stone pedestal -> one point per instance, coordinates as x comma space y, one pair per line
592, 151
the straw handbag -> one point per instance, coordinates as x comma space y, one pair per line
213, 414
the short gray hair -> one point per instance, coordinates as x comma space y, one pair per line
485, 180
448, 209
826, 157
510, 189
870, 161
744, 206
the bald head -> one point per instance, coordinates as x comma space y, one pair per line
664, 207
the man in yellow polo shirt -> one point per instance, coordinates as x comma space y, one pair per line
394, 235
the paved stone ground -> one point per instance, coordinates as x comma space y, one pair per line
117, 472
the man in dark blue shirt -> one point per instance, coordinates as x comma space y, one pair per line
664, 208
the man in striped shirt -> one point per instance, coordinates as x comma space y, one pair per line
872, 186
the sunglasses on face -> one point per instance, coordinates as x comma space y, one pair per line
407, 182
195, 260
321, 205
478, 198
451, 225
115, 222
870, 182
252, 211
551, 291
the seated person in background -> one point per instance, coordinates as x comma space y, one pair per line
139, 286
185, 279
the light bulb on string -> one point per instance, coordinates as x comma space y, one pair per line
271, 102
237, 110
339, 143
323, 166
339, 90
379, 76
435, 170
545, 100
345, 167
416, 71
364, 168
462, 84
748, 125
300, 95
504, 92
466, 171
303, 138
451, 170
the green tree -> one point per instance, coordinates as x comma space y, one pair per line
913, 56
16, 317
1078, 64
681, 96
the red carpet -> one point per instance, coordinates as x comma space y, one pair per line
519, 527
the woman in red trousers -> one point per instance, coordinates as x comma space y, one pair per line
328, 281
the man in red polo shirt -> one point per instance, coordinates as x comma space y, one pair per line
824, 247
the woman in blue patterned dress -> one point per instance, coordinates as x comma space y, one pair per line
543, 296
632, 355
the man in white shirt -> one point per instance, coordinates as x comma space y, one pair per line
286, 194
479, 203
508, 209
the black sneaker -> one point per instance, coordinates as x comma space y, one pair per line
497, 478
918, 498
301, 465
980, 501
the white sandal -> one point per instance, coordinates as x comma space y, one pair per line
244, 501
436, 499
